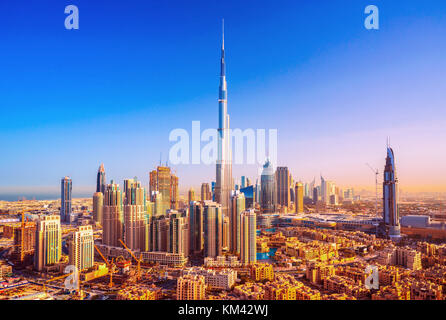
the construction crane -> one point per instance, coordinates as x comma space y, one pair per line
138, 268
110, 265
376, 172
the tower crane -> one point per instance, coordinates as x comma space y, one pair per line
138, 268
376, 172
110, 265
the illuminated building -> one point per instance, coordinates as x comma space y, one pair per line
261, 271
223, 185
166, 183
221, 279
81, 248
268, 189
101, 180
248, 237
205, 192
134, 215
299, 198
178, 234
237, 207
113, 220
24, 244
390, 197
48, 249
213, 229
191, 287
191, 195
98, 207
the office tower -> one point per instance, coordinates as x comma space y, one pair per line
250, 196
315, 195
311, 187
243, 182
226, 234
98, 207
160, 208
48, 249
113, 218
248, 182
299, 197
196, 227
101, 181
166, 183
390, 197
283, 184
325, 197
237, 207
65, 199
205, 192
191, 195
223, 186
248, 237
134, 215
213, 190
159, 234
213, 229
334, 199
191, 287
268, 189
24, 244
81, 248
307, 190
174, 192
177, 241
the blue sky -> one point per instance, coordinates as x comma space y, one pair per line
114, 89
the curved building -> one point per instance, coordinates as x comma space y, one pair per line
268, 189
390, 196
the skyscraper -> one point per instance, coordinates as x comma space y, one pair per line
223, 186
81, 248
237, 207
268, 189
113, 219
191, 195
134, 215
174, 192
101, 181
48, 249
98, 207
243, 182
177, 234
205, 192
65, 199
196, 227
299, 197
283, 183
390, 197
213, 229
166, 183
248, 235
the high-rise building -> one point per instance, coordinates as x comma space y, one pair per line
250, 196
24, 244
134, 215
65, 199
166, 183
243, 182
191, 195
81, 248
268, 189
48, 249
174, 192
101, 180
224, 183
237, 207
299, 197
98, 207
196, 230
191, 287
248, 236
325, 195
159, 234
205, 192
178, 242
213, 229
283, 184
226, 234
113, 220
390, 197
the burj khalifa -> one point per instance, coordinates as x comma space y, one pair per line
223, 186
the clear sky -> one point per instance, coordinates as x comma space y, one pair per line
113, 90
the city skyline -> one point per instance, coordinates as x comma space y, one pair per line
338, 138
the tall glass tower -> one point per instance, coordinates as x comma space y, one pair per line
100, 183
65, 199
390, 196
223, 186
